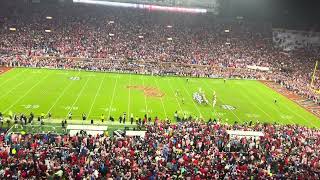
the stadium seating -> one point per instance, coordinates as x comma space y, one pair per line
186, 150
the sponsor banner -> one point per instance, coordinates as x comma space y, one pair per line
261, 68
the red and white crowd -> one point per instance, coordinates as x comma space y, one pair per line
187, 150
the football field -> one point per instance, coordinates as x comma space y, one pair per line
24, 90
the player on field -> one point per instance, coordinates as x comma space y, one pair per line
49, 116
70, 115
177, 93
102, 117
42, 115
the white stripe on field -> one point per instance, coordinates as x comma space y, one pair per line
174, 95
145, 98
190, 95
129, 96
79, 94
61, 94
205, 82
18, 100
95, 97
164, 109
13, 77
114, 90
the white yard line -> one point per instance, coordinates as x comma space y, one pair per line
252, 102
157, 84
293, 112
19, 99
145, 98
190, 95
79, 94
275, 109
10, 91
95, 97
174, 95
61, 94
310, 122
13, 77
129, 96
114, 90
221, 100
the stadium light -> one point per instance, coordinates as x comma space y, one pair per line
140, 37
111, 35
226, 30
110, 22
169, 39
169, 26
12, 29
47, 30
49, 17
143, 6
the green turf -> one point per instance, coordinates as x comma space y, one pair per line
39, 91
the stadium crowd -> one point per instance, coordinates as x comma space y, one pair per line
187, 150
93, 38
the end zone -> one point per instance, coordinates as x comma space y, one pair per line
4, 69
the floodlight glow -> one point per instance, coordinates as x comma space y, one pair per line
12, 29
47, 30
110, 34
227, 30
169, 26
140, 37
169, 39
111, 22
48, 17
143, 6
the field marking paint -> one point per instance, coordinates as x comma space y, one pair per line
18, 100
10, 91
293, 112
250, 115
174, 95
79, 94
205, 82
283, 116
107, 109
129, 96
60, 96
308, 122
145, 98
13, 77
71, 108
157, 84
114, 90
186, 90
30, 106
251, 102
95, 97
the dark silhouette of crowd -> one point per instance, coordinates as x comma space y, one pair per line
187, 150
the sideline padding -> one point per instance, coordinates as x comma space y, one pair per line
90, 129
